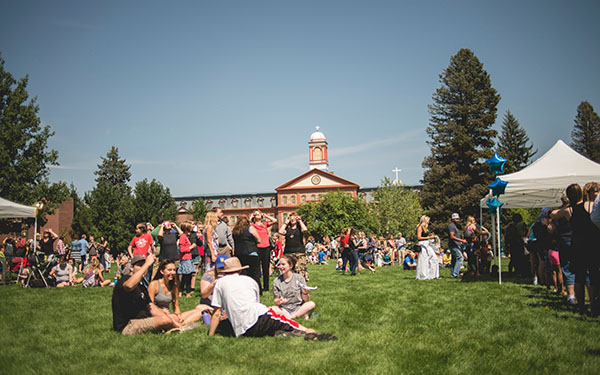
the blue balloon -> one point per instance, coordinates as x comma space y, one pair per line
498, 186
494, 203
496, 163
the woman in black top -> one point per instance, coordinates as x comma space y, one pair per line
47, 242
245, 238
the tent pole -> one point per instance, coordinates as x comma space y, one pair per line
499, 248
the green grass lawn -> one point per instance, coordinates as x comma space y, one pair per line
388, 323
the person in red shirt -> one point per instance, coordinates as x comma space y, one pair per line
142, 242
261, 222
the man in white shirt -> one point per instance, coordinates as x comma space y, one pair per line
239, 295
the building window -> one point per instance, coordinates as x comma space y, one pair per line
209, 204
303, 199
261, 202
234, 203
313, 198
293, 198
247, 202
232, 220
285, 217
284, 200
222, 203
317, 154
273, 202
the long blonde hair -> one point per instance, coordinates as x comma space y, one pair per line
211, 219
423, 223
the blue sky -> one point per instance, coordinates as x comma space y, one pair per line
222, 96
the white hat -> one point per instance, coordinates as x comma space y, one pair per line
455, 216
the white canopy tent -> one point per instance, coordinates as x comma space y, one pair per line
9, 210
542, 183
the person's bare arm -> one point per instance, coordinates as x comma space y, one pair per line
135, 279
453, 236
302, 226
153, 289
254, 233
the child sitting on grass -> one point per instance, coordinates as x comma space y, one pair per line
288, 291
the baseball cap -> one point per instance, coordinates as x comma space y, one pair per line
138, 258
220, 262
455, 216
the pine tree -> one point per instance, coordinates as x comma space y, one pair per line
462, 138
586, 132
110, 201
513, 145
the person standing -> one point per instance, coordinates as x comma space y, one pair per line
226, 244
428, 264
83, 251
293, 230
246, 238
75, 252
455, 242
261, 222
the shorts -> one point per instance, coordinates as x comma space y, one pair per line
554, 257
136, 326
196, 260
269, 323
568, 274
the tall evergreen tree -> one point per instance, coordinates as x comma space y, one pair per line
586, 132
513, 145
24, 152
462, 138
110, 201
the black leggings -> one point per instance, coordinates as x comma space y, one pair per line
264, 258
186, 283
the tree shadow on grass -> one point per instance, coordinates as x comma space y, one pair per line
493, 277
540, 297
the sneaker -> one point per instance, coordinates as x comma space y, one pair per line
320, 337
535, 282
571, 300
294, 333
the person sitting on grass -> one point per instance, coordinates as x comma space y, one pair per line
133, 311
62, 272
289, 292
322, 255
238, 295
387, 258
164, 290
409, 261
93, 275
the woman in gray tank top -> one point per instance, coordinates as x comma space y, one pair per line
164, 290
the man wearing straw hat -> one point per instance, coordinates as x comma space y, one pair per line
238, 295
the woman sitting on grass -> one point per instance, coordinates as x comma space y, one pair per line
93, 275
289, 291
63, 273
163, 291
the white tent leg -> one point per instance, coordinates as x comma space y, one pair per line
499, 248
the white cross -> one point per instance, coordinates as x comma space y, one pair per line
317, 127
396, 170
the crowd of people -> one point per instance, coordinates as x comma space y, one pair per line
235, 264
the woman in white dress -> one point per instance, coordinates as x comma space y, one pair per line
428, 263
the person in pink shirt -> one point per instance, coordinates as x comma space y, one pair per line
186, 268
261, 222
142, 242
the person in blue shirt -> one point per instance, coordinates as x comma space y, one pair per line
409, 261
83, 252
321, 255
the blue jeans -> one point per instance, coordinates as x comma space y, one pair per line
353, 261
457, 260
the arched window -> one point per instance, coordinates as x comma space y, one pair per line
234, 203
247, 202
303, 199
293, 198
284, 200
317, 153
313, 198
